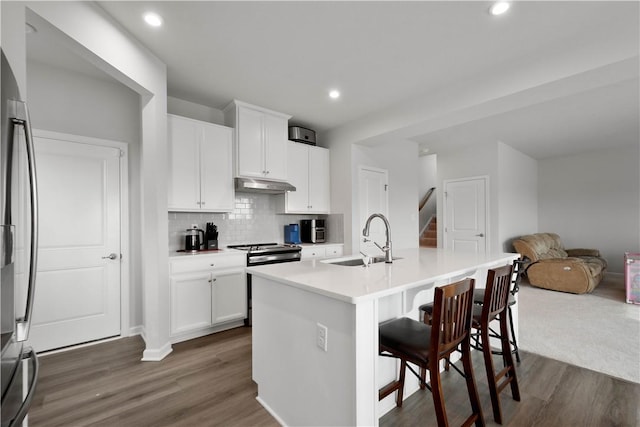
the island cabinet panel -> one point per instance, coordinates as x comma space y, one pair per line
208, 294
261, 141
200, 166
284, 315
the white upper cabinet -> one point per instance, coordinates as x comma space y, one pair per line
309, 172
261, 141
200, 166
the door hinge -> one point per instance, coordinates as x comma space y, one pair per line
121, 153
386, 187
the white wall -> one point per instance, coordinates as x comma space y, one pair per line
591, 200
92, 34
512, 202
428, 178
472, 161
195, 111
400, 159
69, 102
64, 101
428, 173
517, 195
341, 185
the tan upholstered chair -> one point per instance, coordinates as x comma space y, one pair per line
551, 266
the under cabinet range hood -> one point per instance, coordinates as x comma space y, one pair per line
253, 185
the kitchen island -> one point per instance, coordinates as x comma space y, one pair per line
315, 330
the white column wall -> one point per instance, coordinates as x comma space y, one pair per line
517, 188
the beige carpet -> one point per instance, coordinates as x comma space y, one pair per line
597, 331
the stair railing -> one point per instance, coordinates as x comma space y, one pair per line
426, 197
425, 211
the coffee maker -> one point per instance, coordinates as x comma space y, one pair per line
193, 240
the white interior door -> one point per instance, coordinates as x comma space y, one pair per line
465, 225
373, 186
78, 286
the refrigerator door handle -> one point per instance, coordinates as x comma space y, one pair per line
26, 403
24, 323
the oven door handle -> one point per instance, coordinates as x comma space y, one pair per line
262, 259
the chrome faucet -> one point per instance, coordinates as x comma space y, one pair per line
388, 258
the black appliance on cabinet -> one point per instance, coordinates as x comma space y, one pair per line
263, 254
312, 231
19, 364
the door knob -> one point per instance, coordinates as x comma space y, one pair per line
480, 235
110, 256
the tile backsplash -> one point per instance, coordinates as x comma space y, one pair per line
254, 220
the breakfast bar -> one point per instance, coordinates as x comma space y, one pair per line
315, 329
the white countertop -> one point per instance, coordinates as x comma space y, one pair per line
221, 251
355, 283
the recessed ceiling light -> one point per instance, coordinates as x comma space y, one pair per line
498, 8
153, 19
334, 94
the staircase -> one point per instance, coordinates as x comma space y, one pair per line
429, 238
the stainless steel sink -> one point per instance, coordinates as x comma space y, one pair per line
353, 262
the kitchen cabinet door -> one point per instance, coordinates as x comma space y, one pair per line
216, 184
250, 143
298, 156
261, 140
275, 152
184, 164
309, 171
190, 301
319, 180
229, 296
200, 166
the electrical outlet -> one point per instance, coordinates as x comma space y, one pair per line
322, 336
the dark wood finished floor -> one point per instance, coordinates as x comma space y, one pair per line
207, 382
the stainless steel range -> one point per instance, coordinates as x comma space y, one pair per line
269, 253
262, 254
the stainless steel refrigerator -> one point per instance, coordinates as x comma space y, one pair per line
18, 241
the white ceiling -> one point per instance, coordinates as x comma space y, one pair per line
383, 55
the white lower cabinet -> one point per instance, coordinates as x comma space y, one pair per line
228, 302
321, 251
208, 294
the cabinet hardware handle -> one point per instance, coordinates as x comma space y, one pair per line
480, 235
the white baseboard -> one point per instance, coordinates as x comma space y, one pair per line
184, 336
270, 411
135, 330
156, 355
